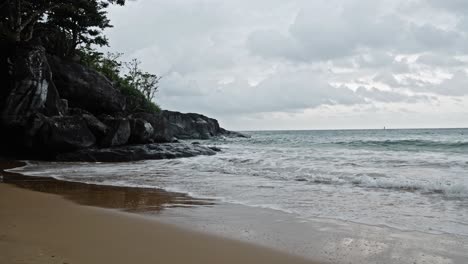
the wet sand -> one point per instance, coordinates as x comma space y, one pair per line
44, 228
156, 226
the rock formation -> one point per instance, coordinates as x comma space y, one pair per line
51, 108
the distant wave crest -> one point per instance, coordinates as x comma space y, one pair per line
407, 144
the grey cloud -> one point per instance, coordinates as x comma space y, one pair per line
375, 94
437, 60
387, 78
176, 85
284, 92
336, 31
459, 6
244, 57
457, 85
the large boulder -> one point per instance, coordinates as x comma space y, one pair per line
191, 126
194, 126
28, 87
27, 94
137, 152
98, 128
119, 131
141, 131
64, 133
161, 133
85, 88
169, 125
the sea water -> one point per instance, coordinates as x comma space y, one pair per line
414, 180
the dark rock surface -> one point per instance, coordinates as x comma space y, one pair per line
32, 90
194, 126
65, 133
85, 88
191, 126
119, 132
233, 134
141, 131
137, 152
50, 106
161, 133
98, 128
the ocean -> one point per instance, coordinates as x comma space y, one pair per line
411, 180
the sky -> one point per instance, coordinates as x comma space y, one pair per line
303, 64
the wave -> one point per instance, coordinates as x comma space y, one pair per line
449, 190
407, 144
446, 189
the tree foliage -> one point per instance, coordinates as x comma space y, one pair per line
140, 86
73, 27
144, 82
64, 24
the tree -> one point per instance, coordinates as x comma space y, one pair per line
144, 82
149, 85
79, 21
108, 64
76, 25
139, 87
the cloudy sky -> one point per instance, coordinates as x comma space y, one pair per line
304, 64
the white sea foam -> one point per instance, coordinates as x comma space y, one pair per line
415, 184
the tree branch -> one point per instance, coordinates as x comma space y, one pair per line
36, 15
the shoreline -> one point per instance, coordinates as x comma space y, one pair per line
325, 240
150, 199
126, 199
45, 228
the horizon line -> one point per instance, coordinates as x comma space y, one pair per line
337, 129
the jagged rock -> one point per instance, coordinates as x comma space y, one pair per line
27, 93
169, 125
118, 132
35, 122
141, 131
85, 88
32, 90
190, 126
99, 129
233, 134
194, 126
159, 123
64, 133
137, 152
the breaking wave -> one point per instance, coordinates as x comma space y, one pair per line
408, 144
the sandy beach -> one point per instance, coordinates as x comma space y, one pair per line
45, 228
48, 220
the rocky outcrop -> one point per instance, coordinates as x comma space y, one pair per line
64, 133
118, 133
191, 126
142, 132
161, 133
194, 126
137, 152
85, 88
98, 128
170, 126
50, 106
32, 89
27, 93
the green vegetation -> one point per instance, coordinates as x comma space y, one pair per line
139, 87
70, 29
73, 21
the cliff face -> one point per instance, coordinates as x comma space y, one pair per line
194, 126
50, 106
